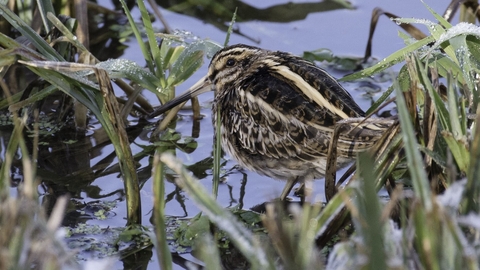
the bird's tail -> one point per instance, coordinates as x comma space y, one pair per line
355, 135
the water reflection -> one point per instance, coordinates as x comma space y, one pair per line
86, 169
219, 13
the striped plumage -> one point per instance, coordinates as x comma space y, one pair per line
278, 113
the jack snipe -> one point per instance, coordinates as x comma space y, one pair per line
278, 113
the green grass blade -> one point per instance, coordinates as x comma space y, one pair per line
163, 251
45, 7
455, 118
334, 207
168, 54
209, 253
217, 154
217, 149
370, 211
230, 28
426, 235
389, 61
445, 24
472, 191
152, 40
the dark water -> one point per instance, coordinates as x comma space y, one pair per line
88, 165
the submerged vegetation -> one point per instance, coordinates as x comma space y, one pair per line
428, 161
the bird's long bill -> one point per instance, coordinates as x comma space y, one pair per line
200, 87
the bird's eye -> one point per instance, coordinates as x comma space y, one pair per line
230, 62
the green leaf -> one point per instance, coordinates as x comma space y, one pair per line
152, 40
196, 227
188, 62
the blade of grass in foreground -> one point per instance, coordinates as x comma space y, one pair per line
369, 209
115, 127
333, 214
163, 252
209, 253
472, 191
237, 233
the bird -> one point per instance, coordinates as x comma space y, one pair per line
278, 113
